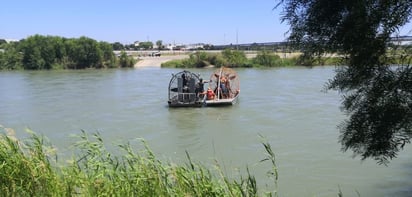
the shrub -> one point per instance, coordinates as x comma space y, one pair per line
265, 58
234, 58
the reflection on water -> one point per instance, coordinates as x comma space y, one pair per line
285, 105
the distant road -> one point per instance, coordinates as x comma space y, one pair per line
157, 61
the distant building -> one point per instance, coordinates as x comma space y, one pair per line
169, 46
401, 40
195, 46
11, 40
175, 47
183, 47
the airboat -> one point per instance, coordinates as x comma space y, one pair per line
185, 90
225, 84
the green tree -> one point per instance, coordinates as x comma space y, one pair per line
2, 42
199, 59
117, 46
38, 52
108, 55
85, 53
159, 44
146, 45
377, 97
126, 61
53, 52
10, 59
234, 58
130, 47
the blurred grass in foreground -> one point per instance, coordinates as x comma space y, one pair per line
30, 167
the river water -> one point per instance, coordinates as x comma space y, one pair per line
285, 105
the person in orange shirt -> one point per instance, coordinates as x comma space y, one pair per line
210, 95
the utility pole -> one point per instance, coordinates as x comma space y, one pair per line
237, 40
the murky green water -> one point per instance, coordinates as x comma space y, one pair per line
285, 105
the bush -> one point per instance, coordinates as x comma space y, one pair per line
126, 61
197, 60
10, 59
265, 58
52, 52
173, 64
234, 58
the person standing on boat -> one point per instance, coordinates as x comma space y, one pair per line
200, 89
185, 79
224, 87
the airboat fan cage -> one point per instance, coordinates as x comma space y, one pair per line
222, 74
182, 89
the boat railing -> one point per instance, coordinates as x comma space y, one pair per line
186, 97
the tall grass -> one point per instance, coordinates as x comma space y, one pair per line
30, 167
25, 168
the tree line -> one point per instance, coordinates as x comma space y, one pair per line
53, 52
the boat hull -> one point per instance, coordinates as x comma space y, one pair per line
222, 102
185, 104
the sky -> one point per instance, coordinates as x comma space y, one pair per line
126, 21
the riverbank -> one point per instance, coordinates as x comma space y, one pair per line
149, 61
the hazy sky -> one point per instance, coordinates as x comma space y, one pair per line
126, 21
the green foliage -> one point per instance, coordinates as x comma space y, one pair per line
51, 52
265, 58
126, 61
376, 96
85, 53
108, 59
146, 45
202, 59
289, 61
199, 59
117, 46
270, 156
173, 64
26, 171
234, 58
2, 42
38, 53
381, 116
159, 44
10, 59
29, 168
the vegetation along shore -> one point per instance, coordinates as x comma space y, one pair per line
30, 167
52, 52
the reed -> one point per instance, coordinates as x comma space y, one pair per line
25, 167
30, 167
